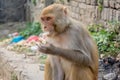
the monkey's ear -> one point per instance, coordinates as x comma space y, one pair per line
65, 10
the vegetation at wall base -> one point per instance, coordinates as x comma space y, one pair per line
107, 39
32, 28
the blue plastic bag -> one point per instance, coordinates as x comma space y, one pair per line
17, 39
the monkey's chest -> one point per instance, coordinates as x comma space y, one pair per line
65, 44
66, 65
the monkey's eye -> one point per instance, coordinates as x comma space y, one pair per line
42, 18
48, 18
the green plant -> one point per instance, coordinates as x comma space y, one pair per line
14, 76
106, 39
100, 5
114, 26
32, 28
62, 1
34, 2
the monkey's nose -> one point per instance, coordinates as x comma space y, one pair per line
45, 27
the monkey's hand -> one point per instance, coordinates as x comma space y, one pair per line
46, 48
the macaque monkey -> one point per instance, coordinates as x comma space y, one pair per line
70, 44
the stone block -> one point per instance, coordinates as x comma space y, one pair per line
69, 8
112, 3
82, 5
77, 9
105, 3
118, 1
80, 1
106, 14
88, 2
83, 1
118, 15
90, 7
76, 16
73, 14
82, 11
74, 9
93, 2
117, 5
114, 14
74, 3
111, 14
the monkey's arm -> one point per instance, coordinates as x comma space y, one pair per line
77, 56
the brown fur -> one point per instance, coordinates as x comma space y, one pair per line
73, 45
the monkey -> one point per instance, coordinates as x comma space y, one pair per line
69, 42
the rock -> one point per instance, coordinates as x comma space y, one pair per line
109, 76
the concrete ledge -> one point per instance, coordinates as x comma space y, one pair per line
17, 67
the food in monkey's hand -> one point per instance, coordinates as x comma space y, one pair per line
43, 37
43, 40
43, 46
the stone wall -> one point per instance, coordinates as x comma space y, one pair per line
88, 11
94, 11
34, 10
12, 10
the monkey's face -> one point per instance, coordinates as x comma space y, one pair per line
54, 18
47, 23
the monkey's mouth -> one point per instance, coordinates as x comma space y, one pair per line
48, 31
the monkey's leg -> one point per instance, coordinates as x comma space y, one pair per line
82, 73
48, 71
